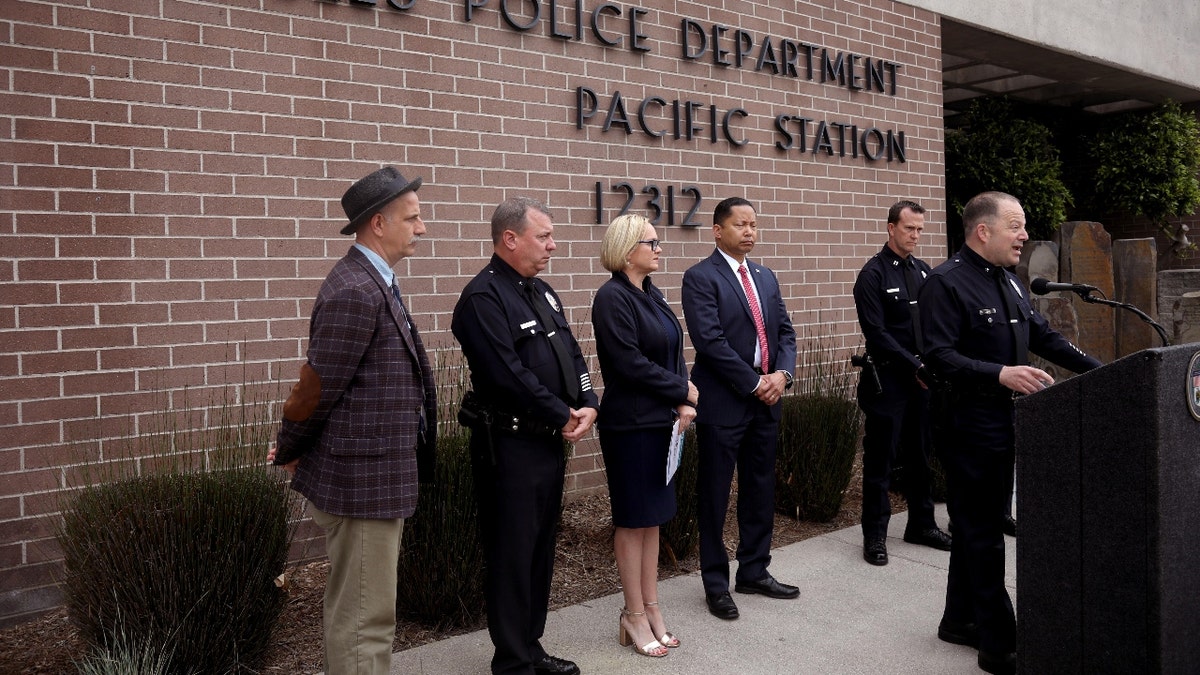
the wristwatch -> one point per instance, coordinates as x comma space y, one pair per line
787, 376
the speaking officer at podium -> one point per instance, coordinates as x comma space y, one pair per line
745, 354
979, 328
531, 391
893, 398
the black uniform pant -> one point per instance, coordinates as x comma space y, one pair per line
978, 479
751, 448
896, 433
520, 500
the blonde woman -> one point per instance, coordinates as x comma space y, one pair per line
640, 345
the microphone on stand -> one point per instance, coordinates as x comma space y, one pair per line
1044, 286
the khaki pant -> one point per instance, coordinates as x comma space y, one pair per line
360, 594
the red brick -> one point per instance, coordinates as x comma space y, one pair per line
129, 225
265, 103
95, 292
93, 202
226, 78
42, 316
167, 204
202, 311
172, 31
53, 131
61, 408
103, 383
135, 357
169, 334
51, 36
20, 57
58, 270
199, 55
134, 313
27, 340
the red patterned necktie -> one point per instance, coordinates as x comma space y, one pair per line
756, 312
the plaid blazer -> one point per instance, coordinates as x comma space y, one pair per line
371, 400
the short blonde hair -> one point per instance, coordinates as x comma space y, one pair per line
620, 238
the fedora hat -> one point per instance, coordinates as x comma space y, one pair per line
371, 192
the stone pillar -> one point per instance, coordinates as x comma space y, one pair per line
1172, 285
1039, 259
1135, 283
1085, 257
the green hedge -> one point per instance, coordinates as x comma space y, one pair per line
180, 565
680, 536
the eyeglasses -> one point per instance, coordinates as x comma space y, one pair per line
652, 242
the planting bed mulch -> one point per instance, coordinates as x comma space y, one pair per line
584, 569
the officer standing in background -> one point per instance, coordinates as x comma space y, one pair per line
893, 398
979, 328
531, 391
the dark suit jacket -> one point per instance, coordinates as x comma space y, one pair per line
634, 350
721, 329
376, 405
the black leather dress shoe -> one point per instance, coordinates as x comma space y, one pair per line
959, 633
932, 537
1010, 526
552, 665
769, 587
998, 663
721, 605
875, 551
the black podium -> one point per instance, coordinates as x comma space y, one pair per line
1108, 495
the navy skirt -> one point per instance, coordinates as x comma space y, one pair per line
636, 465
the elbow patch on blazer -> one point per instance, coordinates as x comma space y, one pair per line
305, 396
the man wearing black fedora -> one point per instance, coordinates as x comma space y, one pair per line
361, 420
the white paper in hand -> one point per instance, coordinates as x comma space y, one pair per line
674, 451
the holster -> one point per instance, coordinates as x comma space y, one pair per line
869, 370
474, 415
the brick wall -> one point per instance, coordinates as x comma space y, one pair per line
170, 173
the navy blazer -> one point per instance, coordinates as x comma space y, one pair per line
721, 329
377, 406
633, 347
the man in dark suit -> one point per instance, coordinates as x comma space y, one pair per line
531, 391
745, 354
355, 424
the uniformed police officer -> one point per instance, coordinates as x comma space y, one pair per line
979, 328
531, 391
893, 398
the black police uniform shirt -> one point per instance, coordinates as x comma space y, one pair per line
882, 301
968, 338
513, 367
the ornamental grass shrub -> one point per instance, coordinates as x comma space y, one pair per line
440, 573
818, 435
679, 537
170, 561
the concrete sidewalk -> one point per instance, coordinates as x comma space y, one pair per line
851, 617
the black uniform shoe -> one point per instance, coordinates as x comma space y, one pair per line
875, 550
998, 663
959, 633
721, 605
552, 665
1010, 526
933, 538
769, 587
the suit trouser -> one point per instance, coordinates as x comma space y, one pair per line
360, 593
978, 480
896, 430
751, 448
520, 500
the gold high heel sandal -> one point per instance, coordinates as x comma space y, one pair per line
667, 639
652, 648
